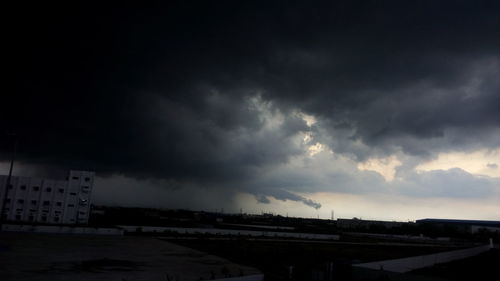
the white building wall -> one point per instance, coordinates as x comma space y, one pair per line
71, 206
77, 207
23, 193
35, 192
59, 201
3, 179
86, 184
5, 207
16, 207
46, 194
48, 201
61, 229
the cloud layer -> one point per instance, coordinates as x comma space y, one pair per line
218, 95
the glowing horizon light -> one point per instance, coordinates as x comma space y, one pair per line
481, 162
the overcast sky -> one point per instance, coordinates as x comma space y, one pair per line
374, 109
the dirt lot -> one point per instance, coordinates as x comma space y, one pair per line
39, 257
274, 257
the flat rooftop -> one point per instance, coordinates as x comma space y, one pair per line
464, 222
44, 257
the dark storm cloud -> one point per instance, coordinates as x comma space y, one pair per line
168, 91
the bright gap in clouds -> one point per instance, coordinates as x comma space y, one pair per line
384, 166
309, 119
480, 162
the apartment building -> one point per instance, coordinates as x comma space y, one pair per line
47, 201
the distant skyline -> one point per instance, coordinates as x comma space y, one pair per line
374, 109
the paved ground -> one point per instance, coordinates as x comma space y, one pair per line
274, 257
43, 257
481, 267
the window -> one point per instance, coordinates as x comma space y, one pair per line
7, 200
71, 205
61, 190
56, 219
46, 203
31, 218
82, 213
18, 217
11, 186
72, 193
20, 201
44, 218
58, 203
87, 179
75, 178
84, 187
36, 188
33, 202
22, 187
48, 189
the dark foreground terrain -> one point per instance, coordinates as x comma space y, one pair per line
304, 260
485, 266
59, 257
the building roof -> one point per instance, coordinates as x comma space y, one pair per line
463, 222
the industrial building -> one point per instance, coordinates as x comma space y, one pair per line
47, 201
366, 224
464, 226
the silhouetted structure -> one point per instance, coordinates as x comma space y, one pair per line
366, 224
50, 201
464, 226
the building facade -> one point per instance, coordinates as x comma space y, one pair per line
366, 224
463, 226
47, 201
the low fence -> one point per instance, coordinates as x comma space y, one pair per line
61, 229
400, 237
218, 231
408, 264
255, 277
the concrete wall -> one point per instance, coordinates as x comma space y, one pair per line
255, 277
61, 229
412, 263
218, 231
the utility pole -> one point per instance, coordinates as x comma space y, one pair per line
7, 184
